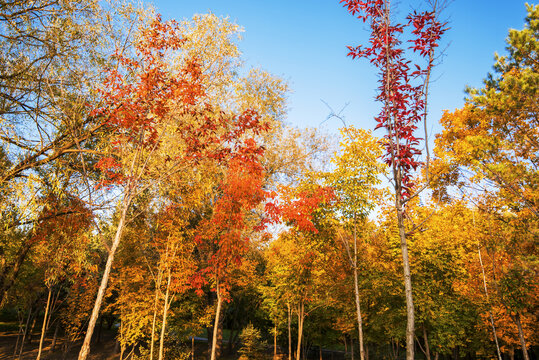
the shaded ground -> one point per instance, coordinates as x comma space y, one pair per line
101, 351
105, 349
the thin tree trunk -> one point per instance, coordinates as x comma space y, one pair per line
219, 347
22, 330
85, 349
156, 300
67, 347
52, 308
352, 347
44, 326
216, 325
99, 330
25, 331
427, 348
55, 337
275, 340
499, 353
358, 307
410, 316
164, 322
31, 332
399, 203
516, 318
193, 347
301, 310
19, 333
289, 331
122, 345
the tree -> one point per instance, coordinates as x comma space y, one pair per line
147, 102
353, 181
252, 344
224, 233
295, 258
403, 93
493, 136
489, 147
50, 54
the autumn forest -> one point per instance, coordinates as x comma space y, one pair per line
156, 204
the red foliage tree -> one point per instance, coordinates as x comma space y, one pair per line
403, 93
137, 97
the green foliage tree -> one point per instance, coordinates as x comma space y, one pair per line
252, 344
353, 181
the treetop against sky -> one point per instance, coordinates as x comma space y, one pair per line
305, 43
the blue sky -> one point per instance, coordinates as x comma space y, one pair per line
304, 42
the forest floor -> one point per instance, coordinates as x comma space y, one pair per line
105, 349
102, 351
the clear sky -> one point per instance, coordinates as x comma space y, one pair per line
304, 42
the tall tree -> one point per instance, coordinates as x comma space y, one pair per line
490, 146
493, 135
353, 181
403, 93
51, 54
225, 232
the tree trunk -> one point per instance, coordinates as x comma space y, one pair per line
410, 317
27, 331
301, 312
499, 353
358, 307
219, 346
23, 331
99, 330
156, 299
516, 319
55, 336
289, 331
456, 353
426, 340
85, 349
216, 324
67, 348
31, 330
275, 340
44, 326
193, 347
164, 322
